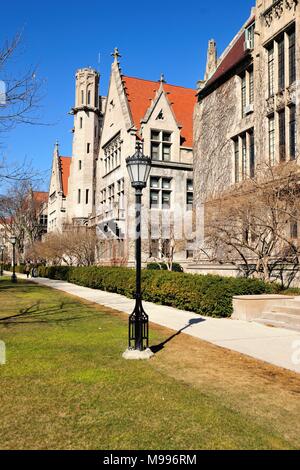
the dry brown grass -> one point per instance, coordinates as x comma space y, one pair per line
246, 384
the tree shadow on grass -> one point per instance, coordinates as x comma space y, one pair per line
194, 321
36, 313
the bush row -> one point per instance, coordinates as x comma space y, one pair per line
19, 269
163, 267
205, 295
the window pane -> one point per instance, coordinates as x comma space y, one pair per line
154, 250
190, 185
189, 199
154, 182
166, 183
236, 161
271, 71
282, 154
166, 136
154, 199
155, 151
294, 229
292, 57
244, 156
166, 200
244, 95
252, 155
166, 153
281, 65
272, 140
251, 86
166, 248
293, 131
155, 135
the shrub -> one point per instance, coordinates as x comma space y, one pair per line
176, 267
206, 295
19, 269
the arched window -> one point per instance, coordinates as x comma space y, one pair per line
82, 97
89, 97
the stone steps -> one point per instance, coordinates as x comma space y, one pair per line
279, 324
284, 314
280, 320
292, 310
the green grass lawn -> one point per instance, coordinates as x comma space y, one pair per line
66, 386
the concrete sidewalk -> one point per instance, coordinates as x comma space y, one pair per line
274, 345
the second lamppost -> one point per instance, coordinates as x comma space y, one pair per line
2, 248
13, 241
139, 167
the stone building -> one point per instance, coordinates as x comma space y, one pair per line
248, 109
161, 115
73, 180
92, 189
88, 116
58, 191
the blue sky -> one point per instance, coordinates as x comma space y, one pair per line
61, 36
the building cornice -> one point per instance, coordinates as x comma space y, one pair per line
172, 165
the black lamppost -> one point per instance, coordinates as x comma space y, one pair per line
13, 241
2, 248
139, 167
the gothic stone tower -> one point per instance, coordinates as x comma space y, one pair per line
87, 127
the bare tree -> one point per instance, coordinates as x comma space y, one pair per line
19, 101
255, 226
74, 247
20, 214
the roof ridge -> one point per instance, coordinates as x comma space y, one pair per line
156, 82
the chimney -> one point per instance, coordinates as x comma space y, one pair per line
212, 61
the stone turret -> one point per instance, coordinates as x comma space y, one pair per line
86, 134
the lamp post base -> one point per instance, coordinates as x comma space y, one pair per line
135, 355
14, 279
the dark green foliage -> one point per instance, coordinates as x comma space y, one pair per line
176, 267
19, 269
205, 295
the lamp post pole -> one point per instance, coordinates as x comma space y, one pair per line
139, 329
13, 242
2, 259
139, 168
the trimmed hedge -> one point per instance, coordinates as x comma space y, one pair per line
176, 267
19, 269
205, 295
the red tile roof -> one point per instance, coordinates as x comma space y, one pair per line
140, 93
65, 163
233, 57
40, 196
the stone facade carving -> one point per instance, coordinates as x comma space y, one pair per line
280, 100
270, 105
276, 10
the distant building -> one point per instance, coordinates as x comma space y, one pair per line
58, 191
73, 179
248, 109
92, 188
162, 116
